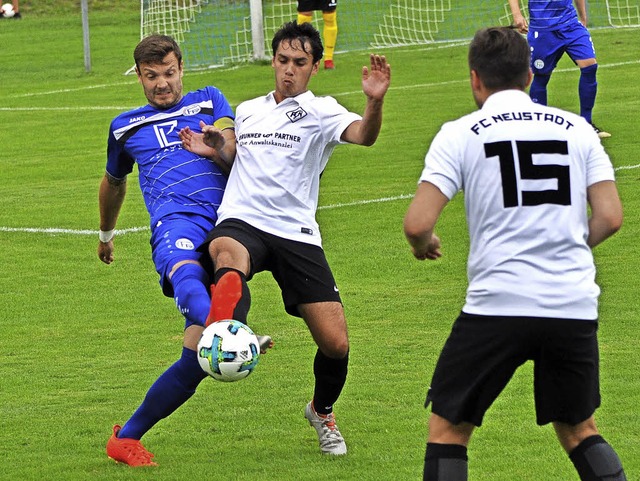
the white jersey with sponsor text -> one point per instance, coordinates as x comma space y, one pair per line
282, 150
524, 169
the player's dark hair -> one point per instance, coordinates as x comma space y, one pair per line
154, 48
303, 32
500, 56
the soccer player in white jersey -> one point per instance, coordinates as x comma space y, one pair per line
267, 217
555, 27
182, 191
529, 173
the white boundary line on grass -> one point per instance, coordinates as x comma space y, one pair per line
130, 230
338, 94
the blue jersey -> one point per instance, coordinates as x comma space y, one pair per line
172, 179
551, 14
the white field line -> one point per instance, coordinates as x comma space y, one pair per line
336, 94
55, 230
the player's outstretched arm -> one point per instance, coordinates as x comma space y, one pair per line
375, 83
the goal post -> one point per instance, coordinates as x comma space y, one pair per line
221, 32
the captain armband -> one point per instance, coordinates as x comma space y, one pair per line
224, 123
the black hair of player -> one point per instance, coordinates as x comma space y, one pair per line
500, 56
154, 48
303, 32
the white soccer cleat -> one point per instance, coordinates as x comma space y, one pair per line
601, 133
331, 441
265, 343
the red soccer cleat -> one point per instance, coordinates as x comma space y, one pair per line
329, 65
128, 451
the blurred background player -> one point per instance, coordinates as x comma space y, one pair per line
555, 28
532, 293
16, 10
330, 29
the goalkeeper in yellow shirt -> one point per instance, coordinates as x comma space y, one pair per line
330, 31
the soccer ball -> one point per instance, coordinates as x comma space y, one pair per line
7, 10
228, 351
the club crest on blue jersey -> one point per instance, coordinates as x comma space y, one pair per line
297, 114
184, 244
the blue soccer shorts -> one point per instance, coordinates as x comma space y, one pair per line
174, 239
548, 46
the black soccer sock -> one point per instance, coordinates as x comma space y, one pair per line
330, 374
445, 462
595, 460
230, 298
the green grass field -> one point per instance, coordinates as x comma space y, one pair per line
81, 342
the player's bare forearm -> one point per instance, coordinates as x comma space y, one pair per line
420, 221
110, 199
606, 212
518, 19
581, 8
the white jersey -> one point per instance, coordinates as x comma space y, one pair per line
524, 169
281, 151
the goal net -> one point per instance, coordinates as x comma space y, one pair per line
221, 32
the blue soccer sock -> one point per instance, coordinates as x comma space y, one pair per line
538, 89
191, 292
587, 89
170, 391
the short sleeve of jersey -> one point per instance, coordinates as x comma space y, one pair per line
119, 163
335, 120
221, 107
599, 167
442, 164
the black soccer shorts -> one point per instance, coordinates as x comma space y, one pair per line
300, 269
482, 353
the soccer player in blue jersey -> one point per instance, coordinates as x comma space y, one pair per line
182, 191
539, 194
556, 27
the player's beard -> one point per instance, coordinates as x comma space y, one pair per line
166, 97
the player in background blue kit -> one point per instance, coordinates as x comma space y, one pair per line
555, 27
182, 191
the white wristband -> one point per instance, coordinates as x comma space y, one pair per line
106, 235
